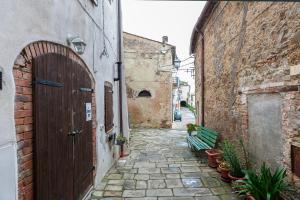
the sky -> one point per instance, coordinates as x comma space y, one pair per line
154, 19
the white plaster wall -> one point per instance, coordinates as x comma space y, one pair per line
23, 22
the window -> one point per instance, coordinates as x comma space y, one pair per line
108, 100
144, 93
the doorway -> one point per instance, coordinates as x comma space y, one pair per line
63, 145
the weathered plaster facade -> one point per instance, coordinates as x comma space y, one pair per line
32, 28
249, 51
147, 68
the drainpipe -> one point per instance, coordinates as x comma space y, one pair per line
119, 63
202, 77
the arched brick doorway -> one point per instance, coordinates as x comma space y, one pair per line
23, 71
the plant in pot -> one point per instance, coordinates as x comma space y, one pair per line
219, 160
121, 140
265, 185
191, 127
224, 170
231, 157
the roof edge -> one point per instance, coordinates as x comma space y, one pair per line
207, 10
148, 38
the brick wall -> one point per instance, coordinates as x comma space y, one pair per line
22, 71
249, 49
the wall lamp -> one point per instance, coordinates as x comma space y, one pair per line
177, 63
77, 43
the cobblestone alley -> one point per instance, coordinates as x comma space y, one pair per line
161, 166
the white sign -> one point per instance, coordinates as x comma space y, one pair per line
88, 111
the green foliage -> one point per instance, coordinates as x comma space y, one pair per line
121, 139
265, 186
231, 157
247, 163
191, 108
191, 127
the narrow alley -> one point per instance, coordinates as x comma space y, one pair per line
149, 100
187, 117
161, 166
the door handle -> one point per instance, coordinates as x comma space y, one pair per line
72, 133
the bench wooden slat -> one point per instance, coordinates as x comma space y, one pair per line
206, 136
209, 130
205, 139
203, 143
209, 133
198, 143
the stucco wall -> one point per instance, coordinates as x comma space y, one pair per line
24, 22
249, 48
146, 68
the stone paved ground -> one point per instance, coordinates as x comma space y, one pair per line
161, 167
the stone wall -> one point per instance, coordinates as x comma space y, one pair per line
249, 49
147, 68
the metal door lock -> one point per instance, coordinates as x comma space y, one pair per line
75, 132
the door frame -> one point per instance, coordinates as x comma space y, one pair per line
24, 104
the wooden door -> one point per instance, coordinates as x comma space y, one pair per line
83, 149
63, 138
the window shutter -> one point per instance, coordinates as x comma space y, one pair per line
109, 115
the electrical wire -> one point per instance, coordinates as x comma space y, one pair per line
97, 25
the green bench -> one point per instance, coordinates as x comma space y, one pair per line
205, 139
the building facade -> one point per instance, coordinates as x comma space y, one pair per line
60, 99
148, 66
247, 57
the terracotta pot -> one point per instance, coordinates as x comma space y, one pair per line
224, 174
219, 160
213, 154
235, 178
249, 197
282, 197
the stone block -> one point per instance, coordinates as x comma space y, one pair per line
186, 192
155, 184
192, 182
134, 193
174, 183
159, 192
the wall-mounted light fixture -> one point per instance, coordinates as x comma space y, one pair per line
77, 43
177, 63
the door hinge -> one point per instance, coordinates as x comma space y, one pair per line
48, 83
86, 90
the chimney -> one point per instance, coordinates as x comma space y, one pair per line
165, 39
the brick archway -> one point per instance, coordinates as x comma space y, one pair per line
22, 71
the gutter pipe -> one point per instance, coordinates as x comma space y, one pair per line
119, 63
202, 78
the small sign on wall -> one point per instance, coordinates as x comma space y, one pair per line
88, 111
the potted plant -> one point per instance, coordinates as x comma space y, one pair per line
121, 140
213, 155
224, 170
263, 186
190, 128
231, 157
219, 160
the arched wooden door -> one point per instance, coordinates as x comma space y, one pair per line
63, 161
